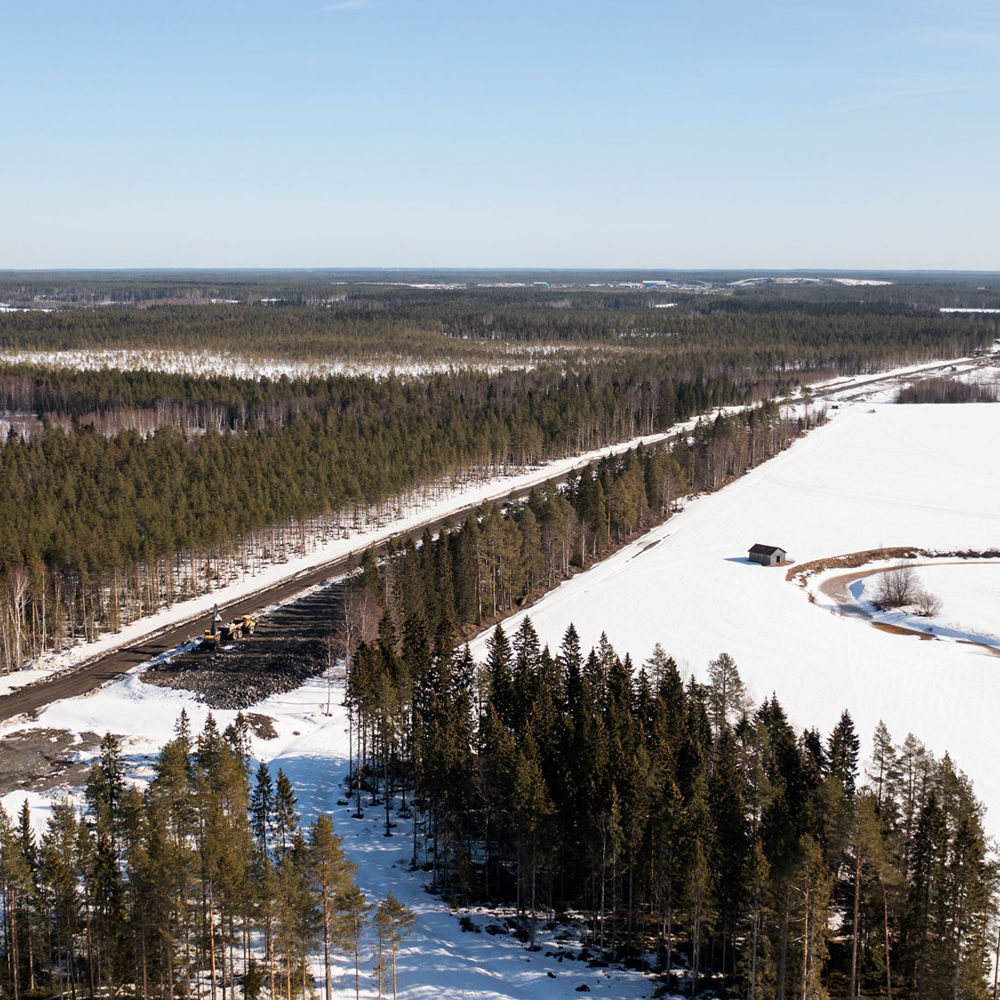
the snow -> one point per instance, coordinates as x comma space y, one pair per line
970, 599
197, 363
22, 678
874, 476
859, 281
967, 310
969, 593
983, 374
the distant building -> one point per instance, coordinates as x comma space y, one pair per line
767, 555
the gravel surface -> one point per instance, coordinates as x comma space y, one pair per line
287, 649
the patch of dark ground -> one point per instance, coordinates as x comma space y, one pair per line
288, 648
40, 759
262, 726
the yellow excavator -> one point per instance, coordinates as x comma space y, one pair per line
219, 631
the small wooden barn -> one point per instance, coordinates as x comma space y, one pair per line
767, 555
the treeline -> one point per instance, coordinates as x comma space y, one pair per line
205, 882
748, 335
948, 390
77, 400
95, 531
680, 820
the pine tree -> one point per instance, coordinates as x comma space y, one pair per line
332, 875
394, 922
262, 808
727, 697
58, 851
106, 786
355, 908
286, 819
15, 876
532, 822
842, 752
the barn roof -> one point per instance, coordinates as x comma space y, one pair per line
765, 550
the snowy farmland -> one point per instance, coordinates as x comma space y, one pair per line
874, 476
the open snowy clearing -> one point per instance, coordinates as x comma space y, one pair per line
193, 363
875, 476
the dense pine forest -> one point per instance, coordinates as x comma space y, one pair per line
97, 528
503, 557
696, 836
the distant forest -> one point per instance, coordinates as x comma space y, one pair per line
122, 490
751, 333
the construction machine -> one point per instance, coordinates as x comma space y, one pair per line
219, 631
212, 636
240, 626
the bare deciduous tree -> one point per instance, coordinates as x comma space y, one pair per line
928, 604
897, 587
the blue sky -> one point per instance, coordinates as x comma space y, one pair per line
545, 133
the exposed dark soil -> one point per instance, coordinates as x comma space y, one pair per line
900, 630
287, 649
40, 759
262, 726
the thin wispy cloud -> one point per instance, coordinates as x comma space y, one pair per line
892, 97
348, 5
959, 38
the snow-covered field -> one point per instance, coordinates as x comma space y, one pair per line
967, 591
970, 599
875, 476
